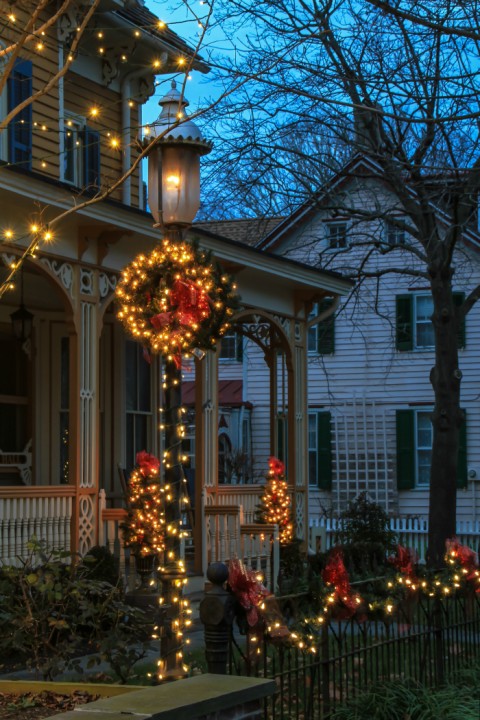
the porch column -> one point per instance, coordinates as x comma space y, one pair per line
84, 413
206, 448
297, 431
271, 359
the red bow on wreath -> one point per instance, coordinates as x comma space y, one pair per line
248, 590
192, 304
147, 464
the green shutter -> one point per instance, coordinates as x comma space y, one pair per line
405, 449
404, 322
324, 450
238, 347
326, 329
462, 470
458, 298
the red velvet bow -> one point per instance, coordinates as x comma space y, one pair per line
335, 573
467, 558
276, 466
248, 589
148, 464
404, 560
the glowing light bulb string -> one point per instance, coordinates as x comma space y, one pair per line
173, 572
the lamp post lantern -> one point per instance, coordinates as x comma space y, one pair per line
174, 199
174, 164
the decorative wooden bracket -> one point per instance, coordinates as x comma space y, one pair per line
103, 239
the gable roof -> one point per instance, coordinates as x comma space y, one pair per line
238, 254
360, 166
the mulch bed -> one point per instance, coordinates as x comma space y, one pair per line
34, 706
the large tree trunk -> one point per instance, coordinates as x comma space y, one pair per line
446, 419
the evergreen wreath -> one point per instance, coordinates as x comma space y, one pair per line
176, 300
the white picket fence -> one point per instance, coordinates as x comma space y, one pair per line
411, 532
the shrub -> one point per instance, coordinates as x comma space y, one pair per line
52, 610
365, 537
404, 699
101, 564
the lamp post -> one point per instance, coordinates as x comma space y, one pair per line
174, 199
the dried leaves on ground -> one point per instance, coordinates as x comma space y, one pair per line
34, 706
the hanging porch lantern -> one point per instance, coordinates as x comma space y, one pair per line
22, 319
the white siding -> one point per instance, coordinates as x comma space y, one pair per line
366, 380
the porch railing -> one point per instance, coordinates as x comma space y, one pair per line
226, 538
411, 532
42, 511
254, 543
247, 497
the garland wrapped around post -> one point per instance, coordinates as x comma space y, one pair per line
175, 301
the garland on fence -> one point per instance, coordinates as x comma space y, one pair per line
338, 600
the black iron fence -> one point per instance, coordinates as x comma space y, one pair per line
426, 639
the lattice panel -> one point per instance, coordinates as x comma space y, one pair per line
362, 461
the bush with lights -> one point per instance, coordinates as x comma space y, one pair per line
144, 528
275, 506
175, 300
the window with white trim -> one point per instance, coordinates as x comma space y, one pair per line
423, 328
73, 152
414, 431
139, 411
231, 347
424, 440
337, 235
394, 235
81, 153
321, 336
414, 328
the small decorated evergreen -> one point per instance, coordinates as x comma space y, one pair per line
275, 507
144, 528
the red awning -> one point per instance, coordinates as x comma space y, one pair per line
229, 393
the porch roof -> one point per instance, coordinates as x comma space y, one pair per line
108, 235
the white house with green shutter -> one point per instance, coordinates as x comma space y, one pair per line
369, 356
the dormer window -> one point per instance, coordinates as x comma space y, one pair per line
337, 235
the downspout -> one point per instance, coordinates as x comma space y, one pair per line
61, 113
